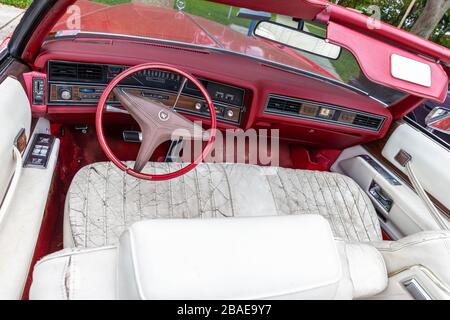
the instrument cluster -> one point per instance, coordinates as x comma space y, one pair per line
72, 83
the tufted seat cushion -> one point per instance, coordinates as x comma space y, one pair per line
103, 201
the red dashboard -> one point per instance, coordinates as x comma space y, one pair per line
248, 93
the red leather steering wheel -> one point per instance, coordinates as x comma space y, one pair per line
156, 120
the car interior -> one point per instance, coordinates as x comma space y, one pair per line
98, 205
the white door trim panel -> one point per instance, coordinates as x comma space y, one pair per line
16, 115
430, 160
13, 186
409, 214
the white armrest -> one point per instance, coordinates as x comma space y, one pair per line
290, 257
430, 249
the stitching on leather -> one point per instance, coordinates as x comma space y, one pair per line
184, 183
64, 291
394, 246
92, 222
372, 214
383, 266
105, 211
375, 224
207, 182
72, 278
139, 200
275, 202
211, 192
135, 264
325, 178
72, 252
198, 194
229, 189
285, 192
124, 200
217, 188
311, 189
155, 195
67, 205
347, 260
360, 214
330, 216
170, 193
86, 213
346, 207
296, 187
214, 188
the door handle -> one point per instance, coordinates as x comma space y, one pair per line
377, 193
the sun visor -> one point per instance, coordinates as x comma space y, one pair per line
391, 66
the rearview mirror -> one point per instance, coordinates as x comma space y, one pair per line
439, 119
296, 39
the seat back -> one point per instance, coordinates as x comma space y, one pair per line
282, 257
292, 257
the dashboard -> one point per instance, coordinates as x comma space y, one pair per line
82, 84
247, 93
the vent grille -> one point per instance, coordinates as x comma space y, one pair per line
367, 121
91, 73
281, 105
63, 71
341, 116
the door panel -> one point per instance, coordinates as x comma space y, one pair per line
430, 160
408, 214
15, 116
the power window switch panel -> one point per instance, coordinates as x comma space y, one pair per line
39, 152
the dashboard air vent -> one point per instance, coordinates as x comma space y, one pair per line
282, 105
69, 71
367, 121
63, 71
90, 73
316, 111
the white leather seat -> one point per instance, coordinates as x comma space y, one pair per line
103, 201
288, 257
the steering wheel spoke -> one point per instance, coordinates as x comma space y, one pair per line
150, 141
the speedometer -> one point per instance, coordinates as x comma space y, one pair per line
148, 78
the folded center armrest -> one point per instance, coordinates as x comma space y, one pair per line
290, 257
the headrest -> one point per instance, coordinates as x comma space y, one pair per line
289, 257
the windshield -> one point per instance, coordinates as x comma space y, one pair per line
216, 26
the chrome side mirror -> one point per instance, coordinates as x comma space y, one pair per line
439, 119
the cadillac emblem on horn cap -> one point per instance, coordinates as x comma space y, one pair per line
163, 115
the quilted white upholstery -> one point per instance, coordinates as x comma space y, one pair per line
102, 200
